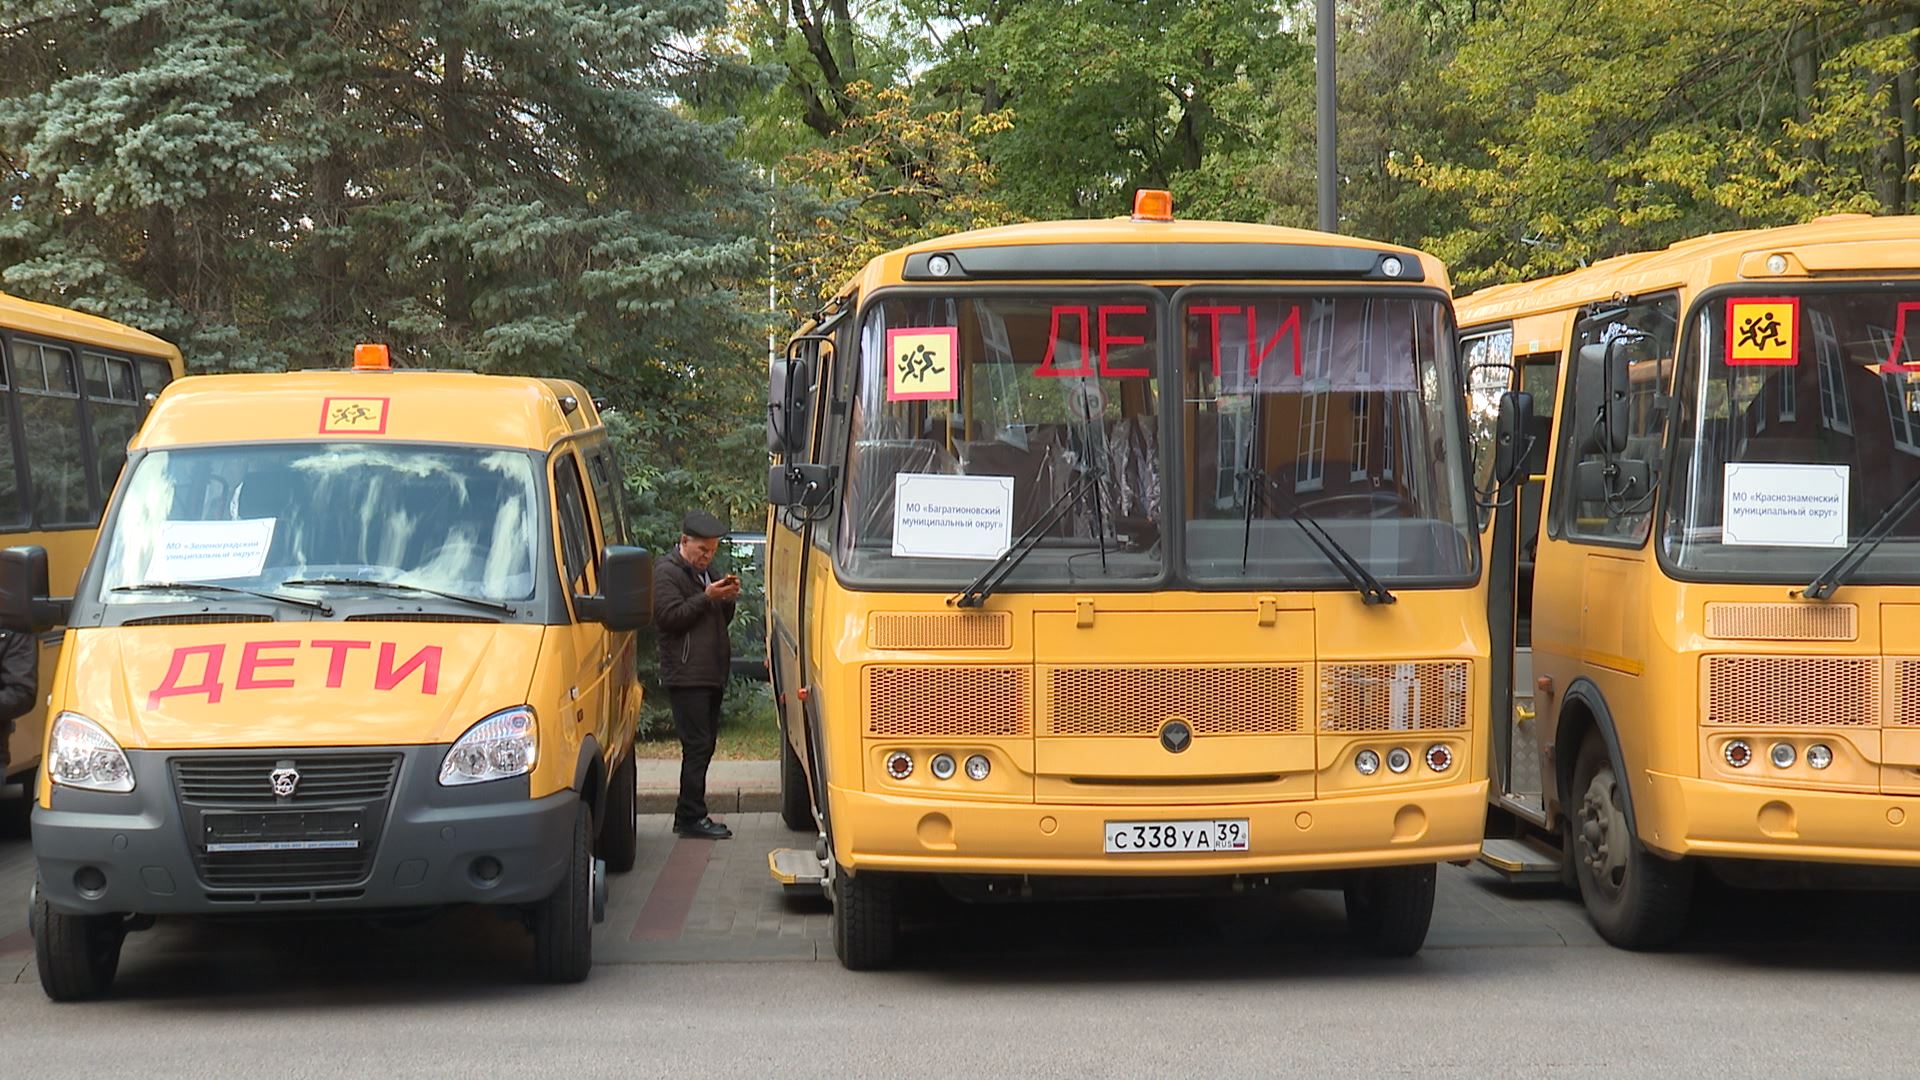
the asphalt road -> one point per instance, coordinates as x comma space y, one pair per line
706, 970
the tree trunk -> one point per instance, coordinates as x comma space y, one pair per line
1909, 122
459, 298
1806, 66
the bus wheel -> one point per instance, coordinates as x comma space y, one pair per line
1388, 910
620, 835
76, 954
866, 920
1636, 899
563, 922
796, 800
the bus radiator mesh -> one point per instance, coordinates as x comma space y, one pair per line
940, 630
1793, 691
1422, 695
1263, 700
1783, 622
940, 702
1906, 692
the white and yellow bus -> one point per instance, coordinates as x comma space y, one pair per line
1127, 556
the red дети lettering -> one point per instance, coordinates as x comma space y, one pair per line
427, 659
1257, 352
256, 658
1108, 340
337, 666
1046, 369
251, 662
209, 683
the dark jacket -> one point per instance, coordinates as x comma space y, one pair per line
694, 650
19, 679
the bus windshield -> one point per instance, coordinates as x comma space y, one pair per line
1799, 426
978, 419
1339, 410
460, 520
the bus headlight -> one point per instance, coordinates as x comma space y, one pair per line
1366, 762
1819, 756
82, 755
503, 745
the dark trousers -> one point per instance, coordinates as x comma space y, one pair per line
696, 719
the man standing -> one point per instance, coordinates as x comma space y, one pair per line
692, 610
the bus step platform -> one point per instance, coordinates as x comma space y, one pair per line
796, 869
1523, 862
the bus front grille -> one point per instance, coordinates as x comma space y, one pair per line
1138, 701
1906, 692
1419, 695
1793, 691
947, 701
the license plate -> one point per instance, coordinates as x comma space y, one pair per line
325, 830
1156, 837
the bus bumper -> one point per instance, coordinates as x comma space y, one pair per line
130, 853
891, 833
1690, 816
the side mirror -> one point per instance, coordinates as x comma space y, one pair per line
626, 590
24, 605
1512, 442
799, 485
789, 404
1622, 480
1615, 385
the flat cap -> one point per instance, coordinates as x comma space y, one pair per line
700, 524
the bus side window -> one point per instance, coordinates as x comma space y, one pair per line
606, 495
113, 414
154, 376
1651, 368
55, 434
576, 536
13, 510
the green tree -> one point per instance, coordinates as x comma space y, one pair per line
1618, 125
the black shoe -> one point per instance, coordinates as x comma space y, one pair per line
704, 829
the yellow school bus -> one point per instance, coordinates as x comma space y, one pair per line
73, 390
351, 641
1129, 556
1718, 618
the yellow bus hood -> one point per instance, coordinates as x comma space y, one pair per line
296, 684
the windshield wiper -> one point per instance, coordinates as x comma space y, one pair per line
1370, 588
1850, 560
1023, 545
369, 583
1357, 575
205, 586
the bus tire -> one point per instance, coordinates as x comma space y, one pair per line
796, 799
620, 834
1389, 909
563, 923
76, 955
1635, 899
866, 920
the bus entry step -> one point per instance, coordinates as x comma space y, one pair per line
796, 869
1523, 862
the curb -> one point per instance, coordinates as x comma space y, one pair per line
719, 801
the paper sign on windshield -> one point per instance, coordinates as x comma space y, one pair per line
210, 550
1763, 331
1784, 505
920, 364
938, 516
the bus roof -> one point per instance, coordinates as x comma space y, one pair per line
402, 406
1827, 248
46, 320
892, 267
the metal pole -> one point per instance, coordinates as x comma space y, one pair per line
1323, 126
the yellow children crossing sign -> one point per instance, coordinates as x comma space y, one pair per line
1763, 331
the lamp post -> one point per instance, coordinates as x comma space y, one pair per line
1323, 126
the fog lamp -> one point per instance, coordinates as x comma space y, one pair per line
1398, 760
978, 767
1819, 756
